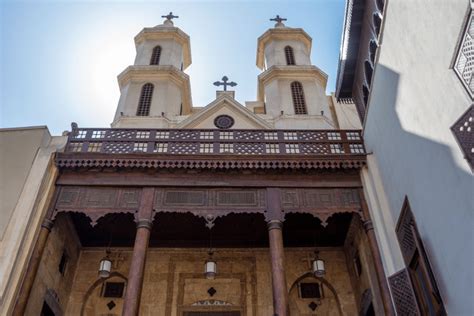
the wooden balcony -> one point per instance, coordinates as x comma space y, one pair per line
150, 145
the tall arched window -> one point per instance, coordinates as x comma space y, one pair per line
290, 57
380, 5
368, 70
155, 56
299, 102
145, 100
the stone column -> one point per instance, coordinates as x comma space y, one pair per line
131, 304
33, 265
277, 255
377, 257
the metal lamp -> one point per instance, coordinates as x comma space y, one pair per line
210, 268
105, 266
318, 266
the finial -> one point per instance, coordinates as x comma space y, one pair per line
225, 83
169, 18
278, 21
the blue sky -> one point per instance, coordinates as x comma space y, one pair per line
59, 59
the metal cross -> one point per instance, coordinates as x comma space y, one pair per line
278, 19
170, 16
225, 83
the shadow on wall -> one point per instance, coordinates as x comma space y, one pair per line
439, 190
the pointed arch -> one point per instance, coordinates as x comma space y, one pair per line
155, 56
290, 56
297, 93
145, 100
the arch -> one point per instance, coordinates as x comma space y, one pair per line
368, 72
155, 56
372, 51
97, 283
145, 100
377, 21
321, 280
297, 93
290, 56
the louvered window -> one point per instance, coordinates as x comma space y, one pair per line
155, 56
421, 278
145, 100
299, 102
290, 57
464, 65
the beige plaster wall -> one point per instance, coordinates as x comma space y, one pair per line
174, 281
25, 219
275, 52
18, 150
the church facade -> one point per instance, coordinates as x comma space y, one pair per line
272, 207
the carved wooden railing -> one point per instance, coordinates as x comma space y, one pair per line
216, 142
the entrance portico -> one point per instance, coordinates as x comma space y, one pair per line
267, 217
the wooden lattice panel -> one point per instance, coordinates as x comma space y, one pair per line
402, 293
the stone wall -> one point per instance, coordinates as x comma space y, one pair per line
174, 282
50, 284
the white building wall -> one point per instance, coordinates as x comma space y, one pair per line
415, 99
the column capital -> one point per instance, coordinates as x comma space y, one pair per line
144, 223
274, 224
47, 223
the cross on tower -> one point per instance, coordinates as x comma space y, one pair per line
225, 83
278, 19
170, 16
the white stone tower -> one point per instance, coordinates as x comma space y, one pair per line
291, 88
155, 89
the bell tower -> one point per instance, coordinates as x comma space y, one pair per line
291, 88
155, 89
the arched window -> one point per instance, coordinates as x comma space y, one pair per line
368, 70
372, 51
298, 98
290, 57
377, 20
155, 56
145, 100
365, 94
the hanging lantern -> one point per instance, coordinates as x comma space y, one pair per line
105, 266
210, 268
318, 266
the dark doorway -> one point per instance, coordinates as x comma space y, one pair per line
46, 310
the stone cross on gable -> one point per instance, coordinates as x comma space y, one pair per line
278, 20
225, 83
170, 16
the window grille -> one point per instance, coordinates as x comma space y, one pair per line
299, 102
94, 147
140, 147
113, 289
290, 57
463, 132
464, 65
161, 148
206, 148
272, 148
155, 56
145, 100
